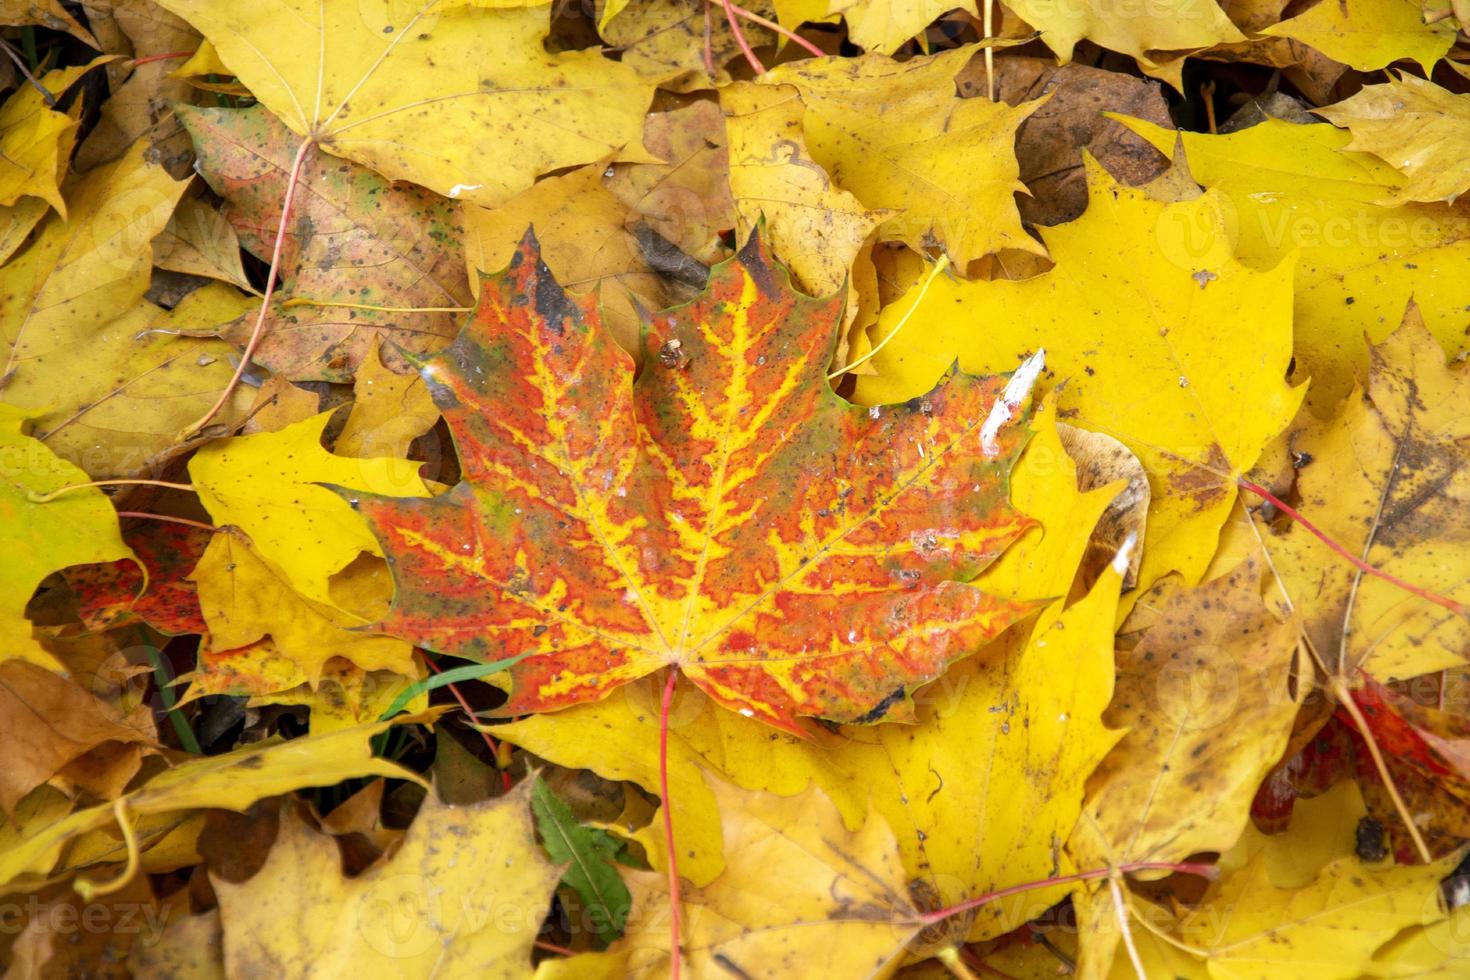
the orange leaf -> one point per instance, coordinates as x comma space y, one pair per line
725, 512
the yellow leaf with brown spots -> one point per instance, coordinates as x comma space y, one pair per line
1207, 702
1388, 478
843, 908
1418, 127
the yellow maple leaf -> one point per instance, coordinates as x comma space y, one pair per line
119, 391
1042, 563
199, 241
1296, 190
36, 141
389, 411
945, 165
1328, 928
268, 485
1369, 34
1132, 321
464, 895
40, 538
383, 83
1418, 127
75, 330
1298, 903
880, 26
579, 224
245, 600
1166, 25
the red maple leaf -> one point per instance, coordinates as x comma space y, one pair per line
724, 512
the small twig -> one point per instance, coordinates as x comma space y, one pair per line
21, 67
1051, 947
160, 57
1203, 870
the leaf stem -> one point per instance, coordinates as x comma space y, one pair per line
1344, 696
270, 288
771, 25
1121, 907
303, 301
939, 267
464, 703
1455, 607
135, 62
953, 961
676, 952
89, 889
745, 48
43, 498
167, 519
989, 51
1203, 870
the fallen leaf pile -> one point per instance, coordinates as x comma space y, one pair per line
674, 487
